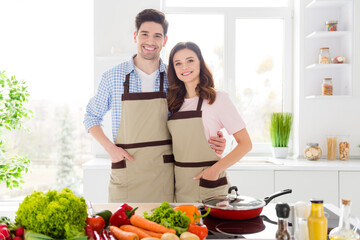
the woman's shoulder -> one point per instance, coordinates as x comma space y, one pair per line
221, 96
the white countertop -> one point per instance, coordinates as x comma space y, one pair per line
264, 163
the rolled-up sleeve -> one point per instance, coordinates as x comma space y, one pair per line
98, 105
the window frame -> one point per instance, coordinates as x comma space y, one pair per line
231, 14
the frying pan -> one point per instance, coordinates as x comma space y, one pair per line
238, 207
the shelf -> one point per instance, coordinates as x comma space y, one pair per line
327, 3
328, 97
326, 34
324, 66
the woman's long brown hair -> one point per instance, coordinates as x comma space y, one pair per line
205, 88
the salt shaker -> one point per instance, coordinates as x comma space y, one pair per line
302, 212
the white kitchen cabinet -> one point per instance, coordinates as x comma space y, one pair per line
257, 183
340, 43
307, 185
349, 182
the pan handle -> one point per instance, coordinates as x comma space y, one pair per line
274, 195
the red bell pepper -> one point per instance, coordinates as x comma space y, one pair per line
122, 215
198, 229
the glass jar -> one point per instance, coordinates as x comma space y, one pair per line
344, 147
331, 25
312, 151
327, 87
324, 56
344, 231
331, 147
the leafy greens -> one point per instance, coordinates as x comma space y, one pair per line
166, 216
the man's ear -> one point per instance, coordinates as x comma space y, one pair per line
135, 41
165, 41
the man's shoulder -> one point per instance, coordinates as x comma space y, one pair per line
119, 69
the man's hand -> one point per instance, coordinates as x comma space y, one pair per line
118, 154
218, 143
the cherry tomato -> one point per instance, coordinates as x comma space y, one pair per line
200, 230
97, 223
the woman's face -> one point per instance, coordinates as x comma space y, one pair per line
187, 66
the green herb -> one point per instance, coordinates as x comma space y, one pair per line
13, 97
59, 215
166, 216
280, 128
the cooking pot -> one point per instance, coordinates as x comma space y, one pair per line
238, 207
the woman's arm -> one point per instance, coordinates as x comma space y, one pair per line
244, 145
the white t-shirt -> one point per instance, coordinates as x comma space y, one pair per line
147, 80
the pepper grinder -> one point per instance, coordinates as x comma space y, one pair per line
302, 212
282, 212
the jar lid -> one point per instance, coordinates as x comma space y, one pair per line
312, 144
324, 48
327, 78
331, 22
316, 201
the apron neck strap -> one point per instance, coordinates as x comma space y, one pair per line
198, 109
127, 82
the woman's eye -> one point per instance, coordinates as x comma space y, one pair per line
191, 60
177, 64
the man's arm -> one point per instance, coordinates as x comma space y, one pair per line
116, 153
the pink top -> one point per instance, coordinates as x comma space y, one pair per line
221, 114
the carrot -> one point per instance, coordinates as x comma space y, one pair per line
140, 232
123, 235
153, 234
149, 225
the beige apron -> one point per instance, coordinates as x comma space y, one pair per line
193, 154
143, 133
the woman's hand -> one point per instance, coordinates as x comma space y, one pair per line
208, 174
218, 143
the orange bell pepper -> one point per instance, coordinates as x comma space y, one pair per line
192, 212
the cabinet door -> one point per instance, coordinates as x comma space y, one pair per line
256, 184
349, 189
307, 185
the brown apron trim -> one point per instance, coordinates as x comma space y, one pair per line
143, 95
213, 184
198, 108
169, 158
127, 83
145, 144
118, 165
185, 114
195, 164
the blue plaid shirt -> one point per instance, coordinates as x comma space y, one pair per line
109, 93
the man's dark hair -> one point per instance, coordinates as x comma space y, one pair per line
151, 15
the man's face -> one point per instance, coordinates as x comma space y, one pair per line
150, 40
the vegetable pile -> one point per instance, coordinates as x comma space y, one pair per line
166, 216
60, 215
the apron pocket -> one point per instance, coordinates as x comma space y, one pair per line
210, 188
169, 158
118, 186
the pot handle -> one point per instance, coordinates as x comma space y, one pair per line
274, 195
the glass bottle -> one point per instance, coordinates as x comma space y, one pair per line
282, 211
324, 56
317, 222
327, 87
343, 231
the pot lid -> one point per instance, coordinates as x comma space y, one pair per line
233, 201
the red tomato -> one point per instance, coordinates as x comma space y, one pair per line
200, 230
97, 223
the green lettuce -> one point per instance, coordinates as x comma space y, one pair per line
166, 216
59, 215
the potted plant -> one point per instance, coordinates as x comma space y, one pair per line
280, 127
13, 96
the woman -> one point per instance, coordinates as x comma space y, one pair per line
197, 112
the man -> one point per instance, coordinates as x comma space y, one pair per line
135, 91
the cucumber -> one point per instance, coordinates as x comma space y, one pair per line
105, 214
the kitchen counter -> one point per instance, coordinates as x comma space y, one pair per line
264, 163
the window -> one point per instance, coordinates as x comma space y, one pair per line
51, 48
253, 58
